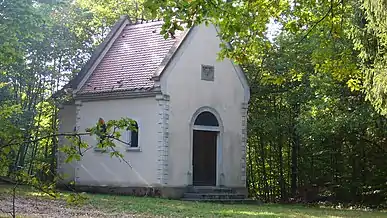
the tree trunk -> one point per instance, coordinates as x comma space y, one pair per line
252, 173
263, 165
281, 171
295, 151
54, 147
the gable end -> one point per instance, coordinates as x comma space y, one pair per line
175, 48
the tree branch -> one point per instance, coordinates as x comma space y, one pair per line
45, 137
127, 162
13, 199
314, 25
66, 134
359, 136
117, 139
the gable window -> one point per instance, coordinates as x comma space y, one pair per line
207, 72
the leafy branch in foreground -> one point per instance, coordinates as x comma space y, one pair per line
107, 135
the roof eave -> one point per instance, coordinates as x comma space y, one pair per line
121, 94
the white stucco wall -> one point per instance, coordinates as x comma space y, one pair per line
67, 119
182, 82
100, 169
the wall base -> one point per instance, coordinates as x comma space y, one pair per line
161, 191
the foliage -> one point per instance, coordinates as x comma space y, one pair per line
43, 44
370, 38
312, 135
107, 135
244, 25
241, 23
17, 31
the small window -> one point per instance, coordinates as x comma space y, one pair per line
133, 137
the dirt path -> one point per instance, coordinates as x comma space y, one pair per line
38, 207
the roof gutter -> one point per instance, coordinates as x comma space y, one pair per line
127, 94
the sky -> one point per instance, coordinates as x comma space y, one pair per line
273, 29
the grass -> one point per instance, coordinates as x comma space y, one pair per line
193, 209
156, 207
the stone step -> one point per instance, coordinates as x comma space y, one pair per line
209, 189
189, 195
225, 201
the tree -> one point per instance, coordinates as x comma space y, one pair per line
44, 44
312, 135
370, 39
19, 21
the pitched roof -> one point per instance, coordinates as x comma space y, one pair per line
132, 60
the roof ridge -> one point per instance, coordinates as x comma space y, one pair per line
142, 21
139, 25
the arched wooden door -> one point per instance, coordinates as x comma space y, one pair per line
205, 134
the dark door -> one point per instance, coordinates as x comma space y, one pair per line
204, 158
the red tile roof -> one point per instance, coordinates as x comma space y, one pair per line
131, 61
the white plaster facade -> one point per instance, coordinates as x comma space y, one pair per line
67, 122
166, 122
226, 96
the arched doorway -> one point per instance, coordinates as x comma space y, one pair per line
205, 149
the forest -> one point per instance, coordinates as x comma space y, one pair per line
317, 125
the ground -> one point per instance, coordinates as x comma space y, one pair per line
30, 203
